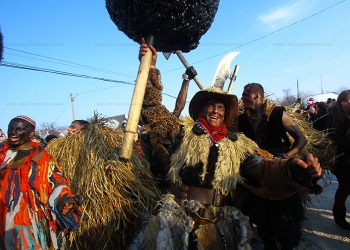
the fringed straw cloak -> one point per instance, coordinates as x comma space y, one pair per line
117, 195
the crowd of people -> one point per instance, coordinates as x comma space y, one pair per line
315, 112
219, 172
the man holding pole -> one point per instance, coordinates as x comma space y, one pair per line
204, 165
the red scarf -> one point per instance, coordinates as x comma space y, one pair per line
216, 133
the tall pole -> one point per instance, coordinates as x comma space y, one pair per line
298, 88
298, 95
321, 84
72, 102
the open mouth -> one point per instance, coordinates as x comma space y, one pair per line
213, 118
13, 138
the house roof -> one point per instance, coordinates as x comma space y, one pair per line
117, 118
322, 97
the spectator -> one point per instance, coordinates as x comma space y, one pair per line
47, 139
320, 122
310, 103
311, 114
36, 138
2, 135
123, 125
339, 122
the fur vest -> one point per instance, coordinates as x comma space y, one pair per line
198, 157
271, 135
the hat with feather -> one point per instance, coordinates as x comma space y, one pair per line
216, 92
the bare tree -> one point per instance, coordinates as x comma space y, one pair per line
341, 89
50, 128
288, 99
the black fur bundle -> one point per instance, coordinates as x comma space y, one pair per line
175, 25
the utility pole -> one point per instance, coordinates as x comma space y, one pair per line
298, 95
72, 102
321, 84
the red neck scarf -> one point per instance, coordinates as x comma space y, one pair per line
216, 133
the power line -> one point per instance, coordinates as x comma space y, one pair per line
27, 67
78, 64
21, 66
45, 60
205, 59
104, 79
262, 37
62, 110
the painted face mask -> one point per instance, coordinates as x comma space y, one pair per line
18, 133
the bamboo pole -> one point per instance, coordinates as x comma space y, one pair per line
136, 104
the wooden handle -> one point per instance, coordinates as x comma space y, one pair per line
135, 107
185, 63
233, 79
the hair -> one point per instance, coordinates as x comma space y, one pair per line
337, 113
36, 137
49, 138
322, 105
256, 87
81, 122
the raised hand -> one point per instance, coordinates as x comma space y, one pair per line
143, 50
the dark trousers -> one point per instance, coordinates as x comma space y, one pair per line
276, 219
342, 193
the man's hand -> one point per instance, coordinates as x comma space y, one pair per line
66, 208
143, 50
191, 72
306, 166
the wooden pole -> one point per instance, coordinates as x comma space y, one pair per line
185, 63
136, 104
233, 79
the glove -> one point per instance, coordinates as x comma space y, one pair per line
189, 74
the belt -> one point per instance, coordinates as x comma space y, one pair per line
203, 195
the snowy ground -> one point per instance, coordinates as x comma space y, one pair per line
319, 230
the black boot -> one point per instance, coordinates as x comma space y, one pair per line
339, 218
270, 244
342, 223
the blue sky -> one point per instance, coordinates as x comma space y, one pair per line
81, 35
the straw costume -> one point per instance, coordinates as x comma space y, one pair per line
32, 190
117, 195
204, 167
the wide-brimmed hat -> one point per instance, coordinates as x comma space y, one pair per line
203, 96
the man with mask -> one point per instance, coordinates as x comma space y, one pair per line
203, 164
37, 205
269, 125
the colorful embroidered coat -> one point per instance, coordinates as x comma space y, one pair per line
31, 190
